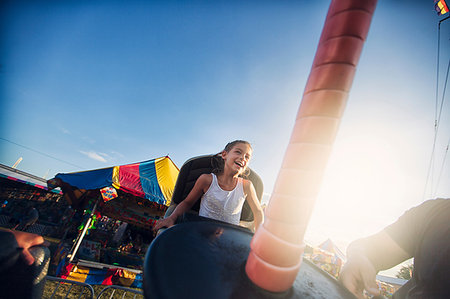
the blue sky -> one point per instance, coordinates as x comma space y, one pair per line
91, 84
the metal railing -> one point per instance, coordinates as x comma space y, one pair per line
114, 288
71, 283
67, 289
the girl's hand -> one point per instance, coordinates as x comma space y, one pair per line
166, 222
200, 187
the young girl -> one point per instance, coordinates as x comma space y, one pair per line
222, 193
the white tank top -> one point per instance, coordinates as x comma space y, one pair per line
223, 205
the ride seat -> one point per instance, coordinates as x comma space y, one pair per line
188, 175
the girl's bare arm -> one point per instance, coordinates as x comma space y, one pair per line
253, 202
200, 187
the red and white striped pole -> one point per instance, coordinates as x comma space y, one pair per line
277, 247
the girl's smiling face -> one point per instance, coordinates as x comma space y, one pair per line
238, 157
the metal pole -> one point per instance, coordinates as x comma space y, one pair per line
81, 236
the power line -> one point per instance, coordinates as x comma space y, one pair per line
442, 166
443, 94
437, 77
437, 115
437, 128
429, 167
41, 153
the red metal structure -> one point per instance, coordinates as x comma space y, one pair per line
277, 247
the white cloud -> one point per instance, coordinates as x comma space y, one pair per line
95, 156
64, 130
88, 139
117, 154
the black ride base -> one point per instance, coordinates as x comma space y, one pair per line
207, 260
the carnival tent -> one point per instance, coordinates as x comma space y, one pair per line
137, 193
326, 256
153, 179
17, 175
329, 246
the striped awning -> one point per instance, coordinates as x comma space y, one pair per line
153, 179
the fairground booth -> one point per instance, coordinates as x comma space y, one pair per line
116, 210
27, 204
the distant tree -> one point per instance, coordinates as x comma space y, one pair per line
405, 272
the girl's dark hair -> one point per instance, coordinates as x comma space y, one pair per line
217, 162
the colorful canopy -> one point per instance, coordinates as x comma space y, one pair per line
329, 246
153, 179
115, 276
24, 178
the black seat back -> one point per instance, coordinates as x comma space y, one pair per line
194, 167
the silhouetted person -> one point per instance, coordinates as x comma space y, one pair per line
24, 261
423, 232
28, 220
